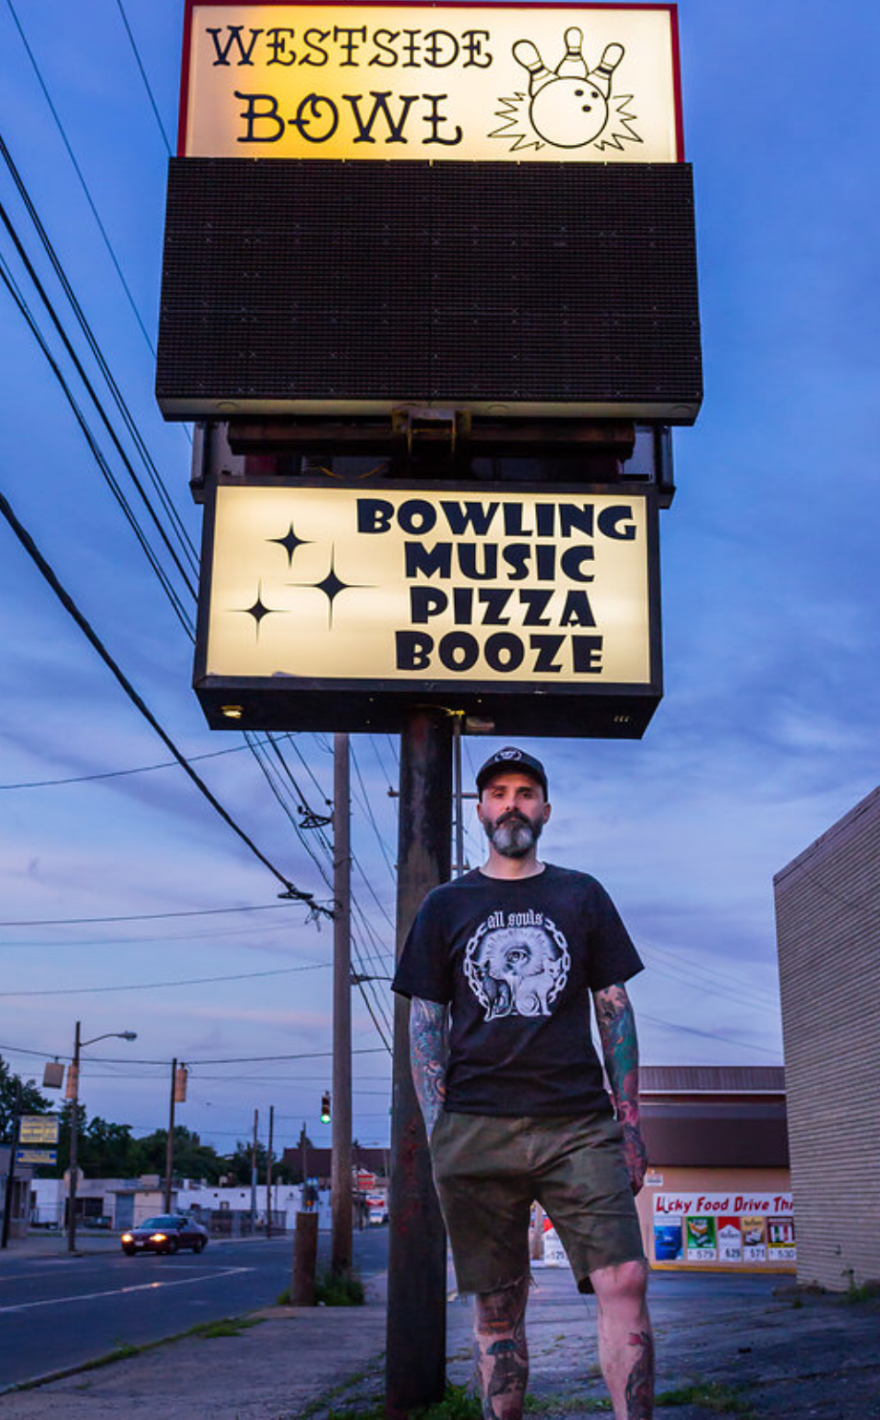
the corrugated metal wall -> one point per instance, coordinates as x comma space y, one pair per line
828, 935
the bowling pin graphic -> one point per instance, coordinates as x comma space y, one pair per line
601, 75
526, 54
573, 65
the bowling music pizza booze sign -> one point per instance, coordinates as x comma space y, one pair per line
520, 604
570, 83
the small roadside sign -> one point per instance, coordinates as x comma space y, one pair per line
36, 1156
38, 1129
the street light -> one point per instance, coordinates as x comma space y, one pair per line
78, 1045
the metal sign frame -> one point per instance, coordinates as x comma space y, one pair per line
403, 5
608, 710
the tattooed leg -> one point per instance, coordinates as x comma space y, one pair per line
626, 1343
500, 1350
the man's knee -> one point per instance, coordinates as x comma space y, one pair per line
503, 1309
625, 1284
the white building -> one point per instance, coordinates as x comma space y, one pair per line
117, 1203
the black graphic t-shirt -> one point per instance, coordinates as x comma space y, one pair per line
516, 959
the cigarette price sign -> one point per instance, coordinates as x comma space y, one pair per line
36, 1156
537, 609
523, 83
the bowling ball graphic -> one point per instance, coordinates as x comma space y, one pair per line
569, 112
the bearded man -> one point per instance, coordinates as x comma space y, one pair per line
500, 966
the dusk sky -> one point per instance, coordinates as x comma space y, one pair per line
767, 731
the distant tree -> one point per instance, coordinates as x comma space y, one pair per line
32, 1102
108, 1150
192, 1158
237, 1166
56, 1170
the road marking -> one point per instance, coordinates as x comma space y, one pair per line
121, 1291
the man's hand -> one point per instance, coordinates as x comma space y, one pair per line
617, 1031
634, 1156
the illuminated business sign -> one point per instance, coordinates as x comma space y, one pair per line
524, 83
36, 1156
38, 1129
522, 606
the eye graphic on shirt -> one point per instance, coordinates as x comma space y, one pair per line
517, 971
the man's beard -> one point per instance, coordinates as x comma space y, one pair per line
513, 835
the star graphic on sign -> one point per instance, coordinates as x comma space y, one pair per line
290, 542
332, 585
258, 610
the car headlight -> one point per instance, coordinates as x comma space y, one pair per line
158, 1237
127, 1237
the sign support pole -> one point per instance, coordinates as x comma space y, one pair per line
169, 1143
416, 1338
341, 1161
10, 1177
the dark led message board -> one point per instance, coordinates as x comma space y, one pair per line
293, 286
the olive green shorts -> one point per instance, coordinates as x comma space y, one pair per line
488, 1170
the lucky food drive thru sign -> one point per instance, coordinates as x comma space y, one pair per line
526, 83
491, 599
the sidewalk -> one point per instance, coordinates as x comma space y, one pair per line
786, 1356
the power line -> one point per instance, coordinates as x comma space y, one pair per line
156, 985
132, 429
368, 809
719, 991
120, 773
90, 389
707, 1034
144, 916
70, 606
84, 185
143, 73
94, 448
227, 1060
92, 342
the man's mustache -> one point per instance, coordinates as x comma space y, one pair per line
515, 815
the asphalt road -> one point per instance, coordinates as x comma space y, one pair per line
57, 1311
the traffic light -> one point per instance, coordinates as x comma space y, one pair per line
325, 1107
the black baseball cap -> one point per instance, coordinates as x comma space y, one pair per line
512, 758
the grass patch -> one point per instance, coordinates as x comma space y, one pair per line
331, 1291
867, 1292
458, 1403
712, 1395
566, 1404
375, 1412
226, 1326
123, 1350
322, 1405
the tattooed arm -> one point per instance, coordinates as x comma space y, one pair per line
428, 1053
617, 1031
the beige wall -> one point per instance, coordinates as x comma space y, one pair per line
749, 1183
828, 937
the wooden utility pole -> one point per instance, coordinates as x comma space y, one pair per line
269, 1172
254, 1174
416, 1340
458, 801
169, 1143
10, 1177
73, 1096
341, 1253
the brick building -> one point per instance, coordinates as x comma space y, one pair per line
828, 938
